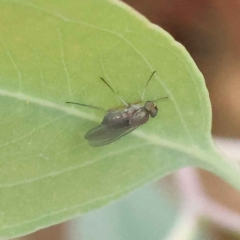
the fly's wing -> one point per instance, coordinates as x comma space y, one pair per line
103, 134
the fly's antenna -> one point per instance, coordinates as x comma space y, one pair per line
159, 99
87, 105
144, 90
116, 93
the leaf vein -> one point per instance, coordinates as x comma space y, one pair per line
65, 65
15, 67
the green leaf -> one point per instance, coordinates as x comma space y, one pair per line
53, 52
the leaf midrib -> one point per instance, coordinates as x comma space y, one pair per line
153, 139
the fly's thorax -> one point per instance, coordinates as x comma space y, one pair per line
139, 117
133, 108
151, 108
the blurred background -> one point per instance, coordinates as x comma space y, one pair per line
209, 29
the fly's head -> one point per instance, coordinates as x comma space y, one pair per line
151, 108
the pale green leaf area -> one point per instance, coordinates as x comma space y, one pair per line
56, 51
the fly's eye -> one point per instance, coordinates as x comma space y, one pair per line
152, 110
153, 113
149, 106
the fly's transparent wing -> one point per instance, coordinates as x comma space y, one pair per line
103, 134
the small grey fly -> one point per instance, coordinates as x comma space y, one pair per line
119, 122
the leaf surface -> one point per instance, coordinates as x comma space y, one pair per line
56, 51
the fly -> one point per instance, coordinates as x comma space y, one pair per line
120, 122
